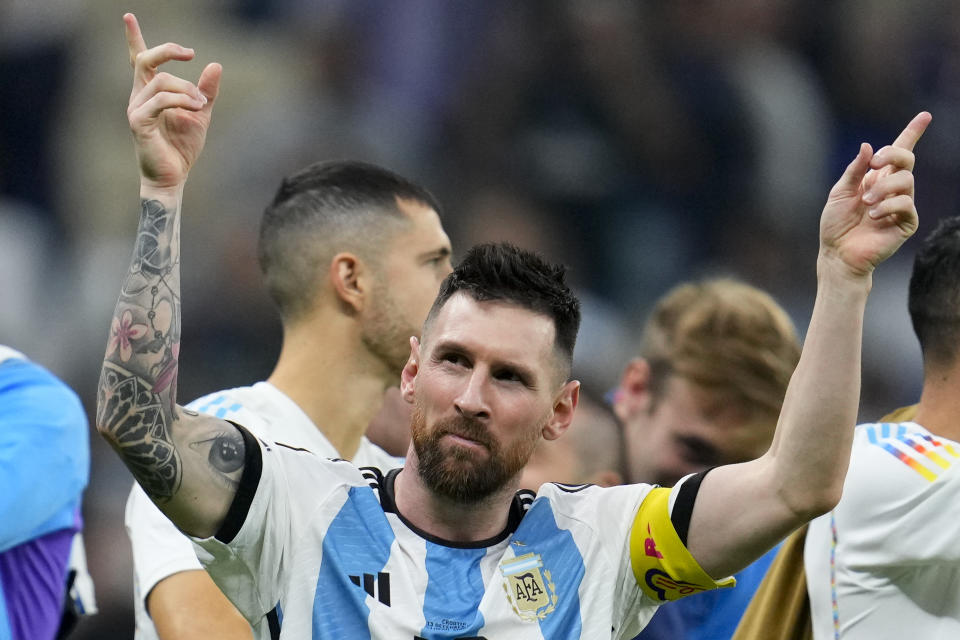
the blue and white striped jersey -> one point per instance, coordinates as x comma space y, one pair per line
159, 549
323, 543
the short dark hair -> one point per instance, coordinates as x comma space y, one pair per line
501, 271
321, 210
934, 299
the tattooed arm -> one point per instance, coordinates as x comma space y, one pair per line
188, 464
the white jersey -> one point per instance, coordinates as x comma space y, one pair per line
159, 549
886, 562
322, 544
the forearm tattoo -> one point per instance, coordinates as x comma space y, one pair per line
136, 399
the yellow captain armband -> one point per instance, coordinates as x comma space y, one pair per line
663, 567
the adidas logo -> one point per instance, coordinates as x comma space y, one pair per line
376, 586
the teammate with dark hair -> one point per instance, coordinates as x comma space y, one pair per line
353, 255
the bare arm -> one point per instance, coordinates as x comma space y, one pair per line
189, 606
742, 510
188, 464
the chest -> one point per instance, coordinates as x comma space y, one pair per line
383, 581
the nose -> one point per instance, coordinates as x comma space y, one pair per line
471, 402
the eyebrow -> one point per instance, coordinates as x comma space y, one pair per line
452, 346
442, 252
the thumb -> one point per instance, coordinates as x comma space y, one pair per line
209, 82
855, 171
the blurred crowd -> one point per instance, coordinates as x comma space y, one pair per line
640, 143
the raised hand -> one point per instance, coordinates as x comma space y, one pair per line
169, 116
870, 211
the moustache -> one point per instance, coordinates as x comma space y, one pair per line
465, 428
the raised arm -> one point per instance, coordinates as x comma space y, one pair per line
188, 464
742, 510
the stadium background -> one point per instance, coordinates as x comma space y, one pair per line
641, 143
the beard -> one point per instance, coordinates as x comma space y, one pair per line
457, 473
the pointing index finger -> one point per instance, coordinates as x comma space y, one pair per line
908, 137
135, 43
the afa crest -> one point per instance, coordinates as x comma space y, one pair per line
531, 593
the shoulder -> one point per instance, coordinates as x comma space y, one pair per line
220, 403
301, 466
242, 405
282, 483
31, 393
904, 449
576, 494
6, 353
603, 507
892, 462
21, 374
371, 455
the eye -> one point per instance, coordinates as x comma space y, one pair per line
441, 259
227, 452
698, 451
509, 375
454, 358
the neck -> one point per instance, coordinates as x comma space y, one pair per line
448, 519
940, 403
325, 370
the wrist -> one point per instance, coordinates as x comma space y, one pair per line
834, 274
165, 194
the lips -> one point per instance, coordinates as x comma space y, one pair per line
466, 439
466, 433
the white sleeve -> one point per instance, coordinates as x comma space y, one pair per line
899, 504
371, 455
159, 551
281, 490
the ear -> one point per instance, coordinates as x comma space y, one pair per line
347, 277
564, 406
633, 394
410, 369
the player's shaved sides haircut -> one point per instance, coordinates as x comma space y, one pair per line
507, 273
934, 299
321, 210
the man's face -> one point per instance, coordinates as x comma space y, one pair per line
485, 389
414, 263
688, 429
